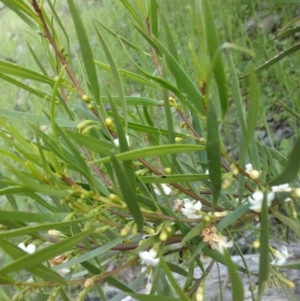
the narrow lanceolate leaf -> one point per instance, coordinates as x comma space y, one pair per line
21, 216
174, 178
23, 11
213, 44
295, 226
154, 151
275, 59
93, 144
127, 75
252, 114
214, 153
16, 70
128, 192
237, 287
182, 78
143, 297
264, 249
31, 260
85, 47
237, 97
116, 75
153, 18
37, 270
232, 217
291, 169
33, 118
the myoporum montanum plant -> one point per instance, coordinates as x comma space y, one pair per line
115, 178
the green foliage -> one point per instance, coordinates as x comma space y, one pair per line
121, 163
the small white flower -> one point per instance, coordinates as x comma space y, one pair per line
167, 190
149, 257
117, 143
191, 210
223, 244
30, 249
148, 287
282, 188
256, 200
248, 168
280, 257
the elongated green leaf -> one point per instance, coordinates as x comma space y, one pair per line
128, 75
171, 44
213, 44
174, 178
275, 59
252, 115
134, 101
20, 84
237, 287
100, 146
154, 151
184, 81
290, 110
128, 192
237, 97
80, 162
232, 217
42, 227
38, 270
40, 256
132, 11
288, 32
90, 254
33, 118
193, 233
264, 249
125, 41
85, 47
295, 226
173, 282
19, 216
116, 76
153, 18
214, 153
292, 167
23, 11
144, 297
16, 70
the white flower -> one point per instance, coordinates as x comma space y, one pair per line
282, 188
148, 287
191, 210
223, 244
167, 190
256, 200
248, 168
117, 143
280, 257
149, 257
30, 249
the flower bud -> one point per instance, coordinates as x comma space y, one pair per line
163, 235
254, 174
296, 193
88, 282
168, 170
126, 229
207, 219
54, 232
234, 170
256, 244
85, 98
